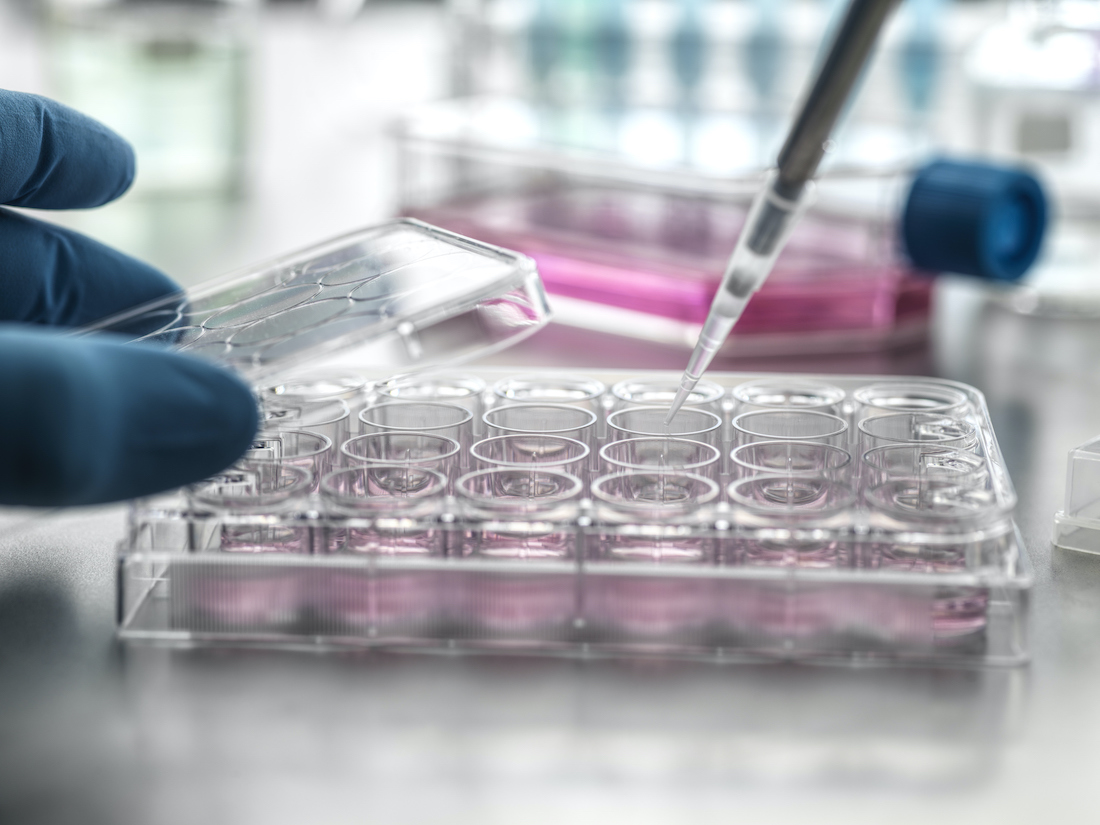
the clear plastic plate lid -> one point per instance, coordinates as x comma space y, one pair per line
399, 295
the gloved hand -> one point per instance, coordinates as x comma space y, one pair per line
85, 420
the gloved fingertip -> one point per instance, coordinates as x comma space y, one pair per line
197, 420
55, 157
93, 420
126, 158
237, 408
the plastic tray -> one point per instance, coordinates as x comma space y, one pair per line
807, 547
1077, 525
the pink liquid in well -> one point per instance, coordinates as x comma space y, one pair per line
407, 600
230, 596
645, 607
390, 600
821, 555
631, 548
897, 616
342, 598
507, 603
395, 603
776, 614
390, 542
525, 544
917, 560
959, 611
264, 539
954, 611
220, 597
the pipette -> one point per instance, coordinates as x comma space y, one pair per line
787, 190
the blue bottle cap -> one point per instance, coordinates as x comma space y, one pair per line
974, 218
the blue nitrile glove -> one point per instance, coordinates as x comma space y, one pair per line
85, 420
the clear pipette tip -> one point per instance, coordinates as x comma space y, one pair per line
723, 315
687, 384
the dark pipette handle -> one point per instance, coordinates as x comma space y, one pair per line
777, 207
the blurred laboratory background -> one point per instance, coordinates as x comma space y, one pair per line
616, 141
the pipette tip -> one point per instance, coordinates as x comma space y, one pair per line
687, 384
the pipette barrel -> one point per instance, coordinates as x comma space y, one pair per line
779, 203
769, 222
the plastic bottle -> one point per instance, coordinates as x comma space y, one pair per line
851, 273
